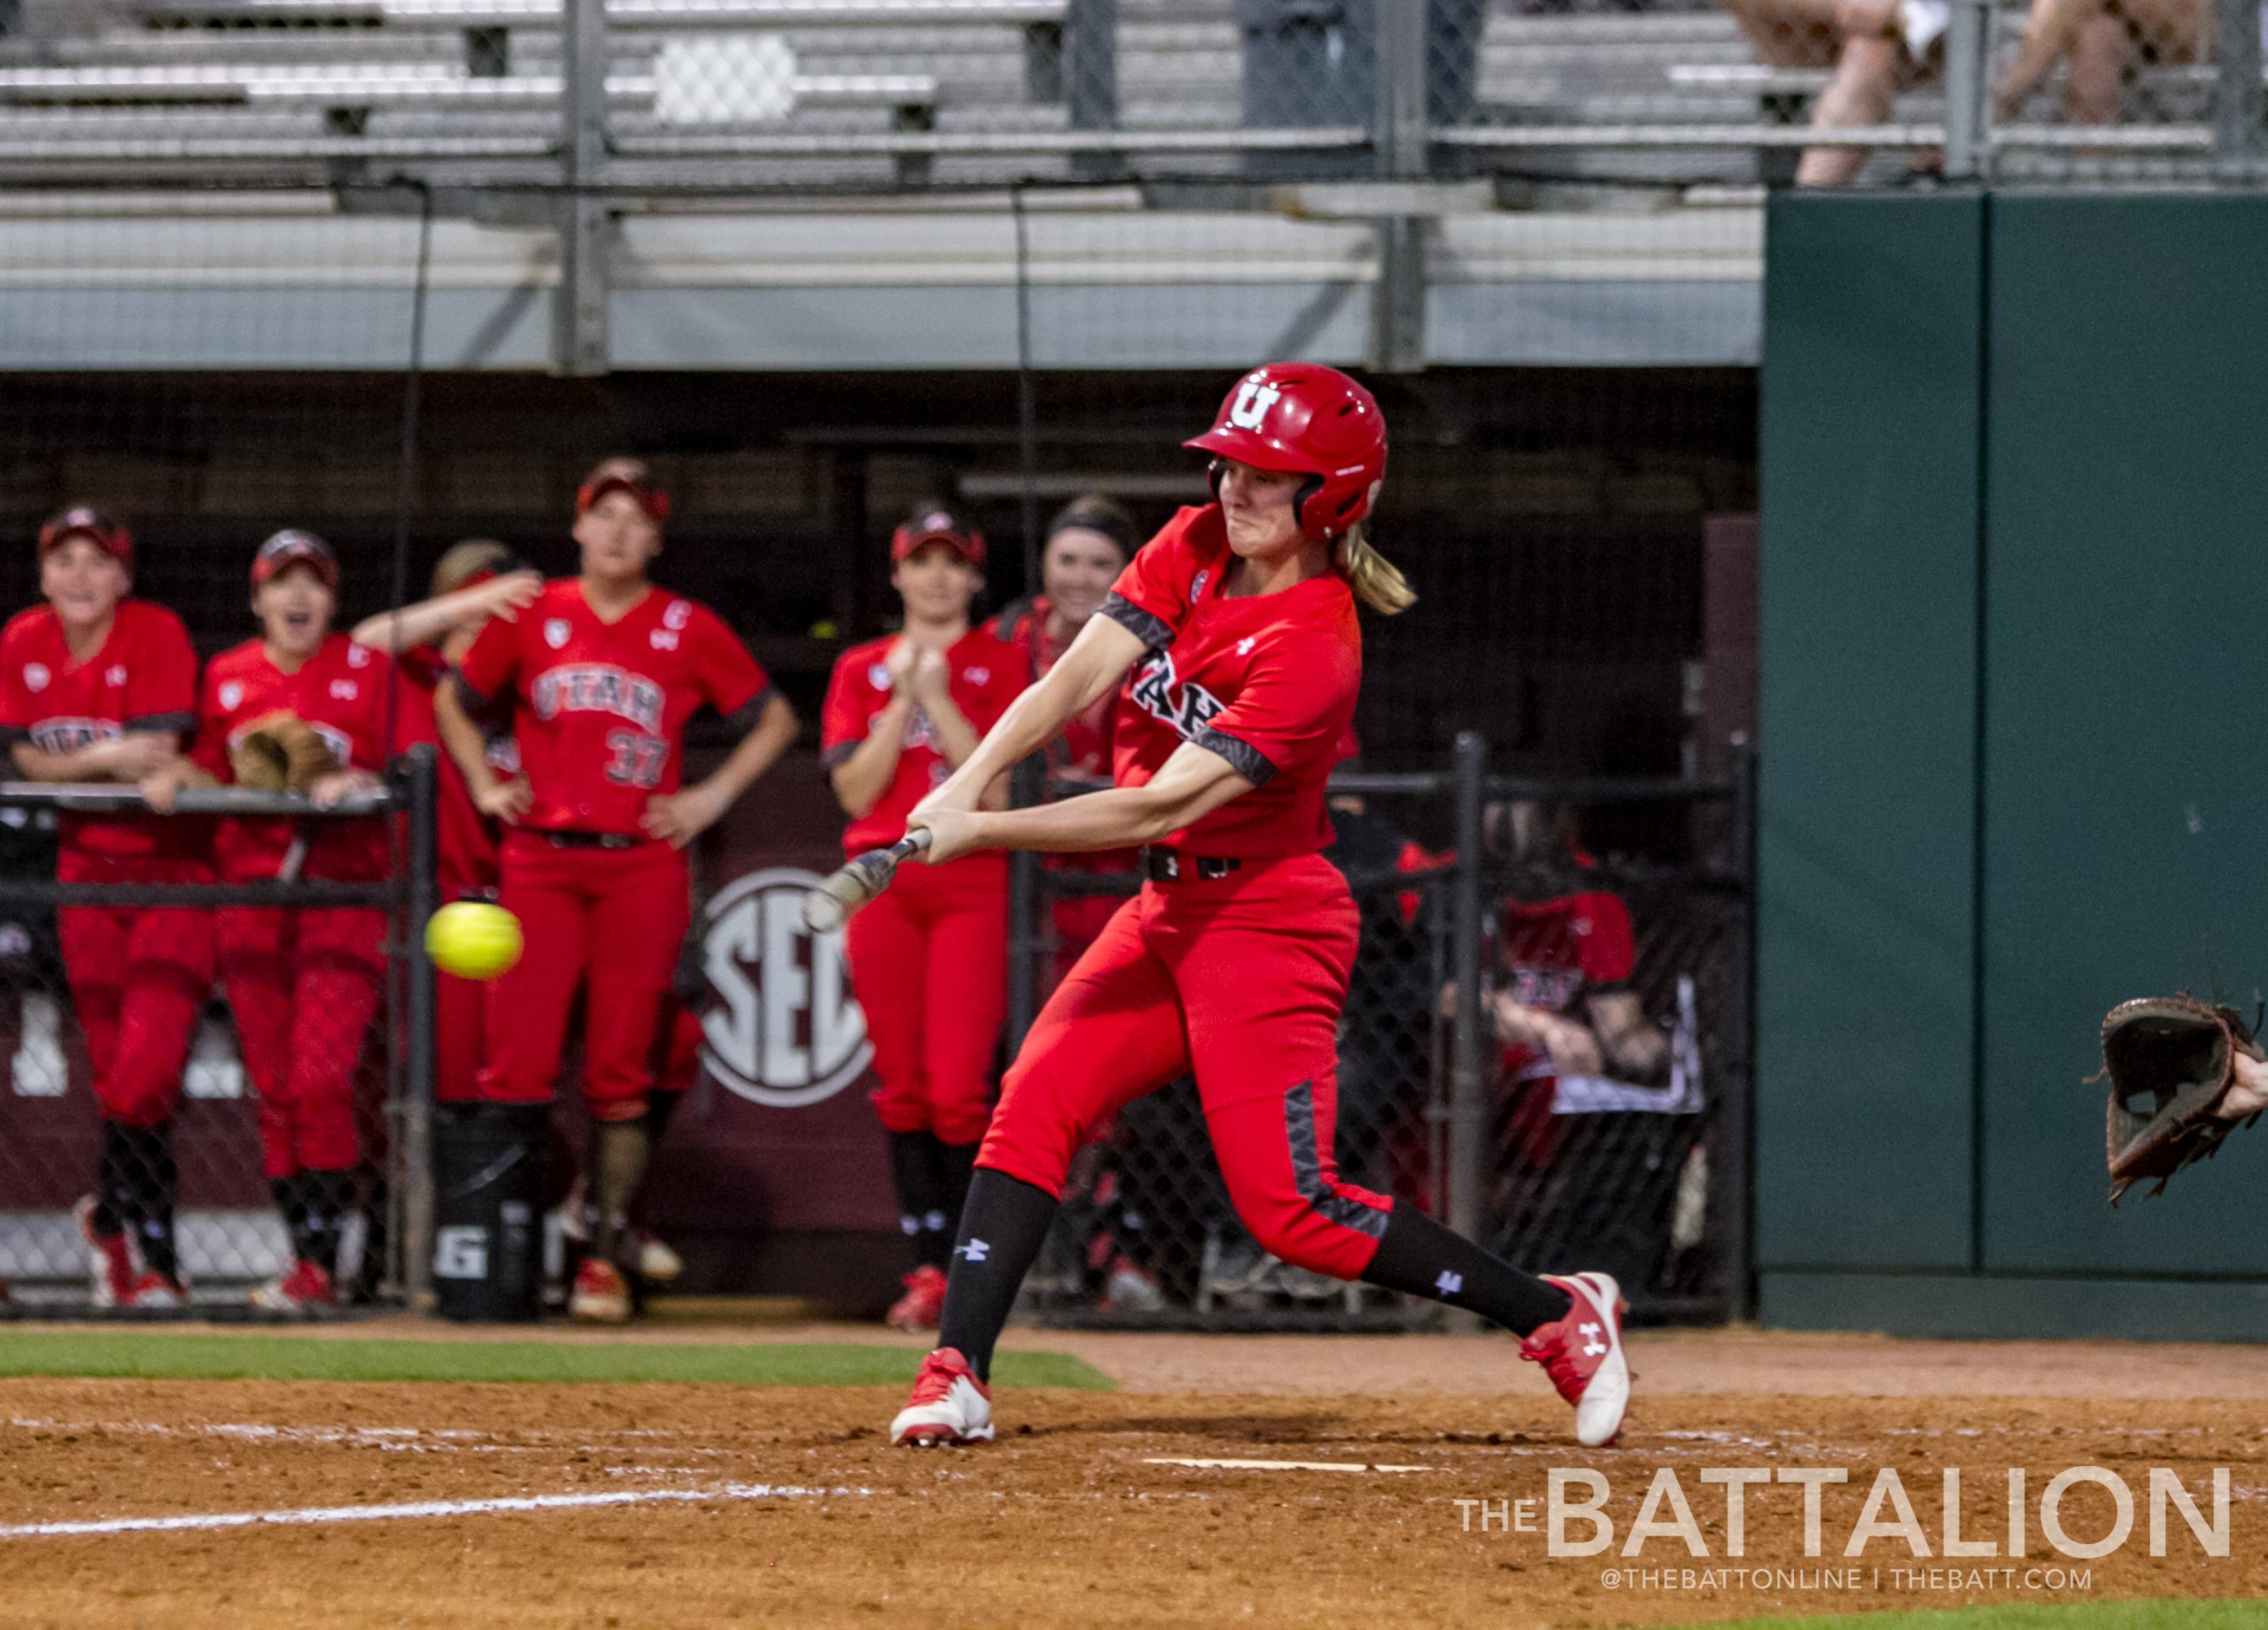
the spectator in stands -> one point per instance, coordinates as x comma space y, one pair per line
1563, 1006
1877, 48
2104, 39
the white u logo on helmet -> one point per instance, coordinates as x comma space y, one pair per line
1249, 411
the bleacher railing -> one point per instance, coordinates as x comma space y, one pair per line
885, 95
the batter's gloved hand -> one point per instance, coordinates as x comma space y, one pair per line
281, 752
2172, 1061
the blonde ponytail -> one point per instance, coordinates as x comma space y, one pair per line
1377, 581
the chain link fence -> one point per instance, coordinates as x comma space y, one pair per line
213, 1084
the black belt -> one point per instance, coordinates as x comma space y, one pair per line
585, 840
1166, 866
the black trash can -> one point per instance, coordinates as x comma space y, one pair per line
488, 1211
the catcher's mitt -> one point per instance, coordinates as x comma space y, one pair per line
281, 752
2170, 1060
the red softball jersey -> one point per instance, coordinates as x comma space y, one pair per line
598, 709
986, 675
143, 677
464, 838
341, 692
1556, 952
1083, 750
1268, 681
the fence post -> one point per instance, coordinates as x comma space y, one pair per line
1027, 938
1468, 1117
1969, 41
1090, 67
579, 339
1731, 1183
2237, 93
423, 783
1398, 118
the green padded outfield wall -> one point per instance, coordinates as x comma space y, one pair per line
2015, 749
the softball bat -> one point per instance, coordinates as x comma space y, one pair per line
828, 907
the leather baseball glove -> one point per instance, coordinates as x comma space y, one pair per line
281, 752
2172, 1061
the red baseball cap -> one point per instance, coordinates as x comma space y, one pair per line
623, 474
83, 521
936, 524
292, 547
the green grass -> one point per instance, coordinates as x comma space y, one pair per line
2035, 1616
299, 1358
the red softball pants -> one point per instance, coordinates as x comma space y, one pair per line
611, 920
303, 985
138, 980
929, 962
1240, 979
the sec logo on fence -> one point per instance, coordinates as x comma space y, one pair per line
784, 1031
472, 939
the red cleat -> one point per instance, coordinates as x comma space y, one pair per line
154, 1290
923, 1301
113, 1264
600, 1296
306, 1287
950, 1405
1583, 1354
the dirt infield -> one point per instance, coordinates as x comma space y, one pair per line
784, 1505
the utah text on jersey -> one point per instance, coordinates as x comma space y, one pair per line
69, 735
1188, 707
600, 687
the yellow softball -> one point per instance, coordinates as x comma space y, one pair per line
472, 939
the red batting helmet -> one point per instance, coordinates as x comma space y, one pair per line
1314, 421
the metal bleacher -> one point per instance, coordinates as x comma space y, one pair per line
978, 88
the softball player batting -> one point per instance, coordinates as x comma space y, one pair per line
603, 670
929, 958
1239, 623
474, 581
96, 687
304, 983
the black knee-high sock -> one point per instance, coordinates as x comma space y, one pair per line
112, 1188
291, 1204
1002, 1228
661, 1104
327, 1197
151, 1177
1420, 1257
956, 1166
913, 1167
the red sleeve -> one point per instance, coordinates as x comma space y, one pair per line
411, 723
729, 677
1607, 952
16, 714
842, 716
1291, 712
1151, 596
494, 661
161, 693
210, 752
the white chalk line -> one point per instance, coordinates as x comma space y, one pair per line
1281, 1466
312, 1515
391, 1440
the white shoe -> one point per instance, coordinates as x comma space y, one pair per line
949, 1406
657, 1263
1583, 1354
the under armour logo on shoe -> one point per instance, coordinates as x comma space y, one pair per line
977, 1250
1450, 1283
1592, 1345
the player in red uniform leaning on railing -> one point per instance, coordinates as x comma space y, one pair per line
96, 686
